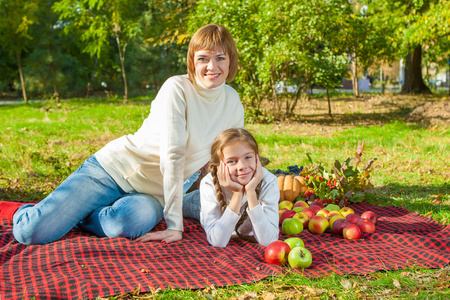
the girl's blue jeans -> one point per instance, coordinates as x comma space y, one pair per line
91, 200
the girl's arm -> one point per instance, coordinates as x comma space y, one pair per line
265, 216
218, 227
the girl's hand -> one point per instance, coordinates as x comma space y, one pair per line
223, 174
166, 236
257, 177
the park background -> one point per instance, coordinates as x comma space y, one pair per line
81, 73
128, 48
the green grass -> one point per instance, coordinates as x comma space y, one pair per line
42, 143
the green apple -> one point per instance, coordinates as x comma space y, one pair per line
300, 257
345, 211
332, 207
297, 209
291, 226
285, 204
294, 242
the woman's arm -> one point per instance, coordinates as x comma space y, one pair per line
172, 144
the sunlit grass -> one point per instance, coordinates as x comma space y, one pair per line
42, 143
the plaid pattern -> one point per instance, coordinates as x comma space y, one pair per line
82, 266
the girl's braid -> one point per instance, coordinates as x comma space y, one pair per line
219, 193
245, 214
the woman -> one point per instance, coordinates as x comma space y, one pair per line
127, 187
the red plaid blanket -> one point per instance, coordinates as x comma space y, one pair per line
81, 266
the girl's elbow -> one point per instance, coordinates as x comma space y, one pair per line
218, 244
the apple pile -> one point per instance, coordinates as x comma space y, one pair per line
294, 217
291, 251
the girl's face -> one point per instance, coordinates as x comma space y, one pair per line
211, 67
241, 162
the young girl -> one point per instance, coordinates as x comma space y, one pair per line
238, 196
128, 186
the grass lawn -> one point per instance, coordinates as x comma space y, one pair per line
42, 143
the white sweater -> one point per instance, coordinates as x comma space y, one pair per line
172, 143
262, 220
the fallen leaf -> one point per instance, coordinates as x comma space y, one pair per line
429, 214
269, 296
387, 291
346, 284
247, 296
397, 284
436, 201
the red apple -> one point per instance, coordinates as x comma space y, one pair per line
309, 212
277, 253
304, 218
314, 208
334, 218
300, 257
351, 232
353, 218
370, 215
281, 211
323, 212
318, 203
301, 203
318, 224
346, 211
286, 214
366, 225
338, 226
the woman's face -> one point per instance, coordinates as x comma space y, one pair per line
211, 67
241, 162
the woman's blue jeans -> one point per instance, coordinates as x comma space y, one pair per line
91, 200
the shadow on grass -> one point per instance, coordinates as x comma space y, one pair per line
19, 195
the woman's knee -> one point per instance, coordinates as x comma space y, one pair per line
132, 222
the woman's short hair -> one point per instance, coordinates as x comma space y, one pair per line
212, 37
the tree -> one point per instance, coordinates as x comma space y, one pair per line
330, 71
166, 38
417, 25
16, 18
96, 21
279, 42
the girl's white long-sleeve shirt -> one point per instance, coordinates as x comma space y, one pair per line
262, 221
173, 142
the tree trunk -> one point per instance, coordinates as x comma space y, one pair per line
122, 62
355, 75
53, 70
329, 104
22, 80
413, 74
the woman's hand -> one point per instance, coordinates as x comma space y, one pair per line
223, 174
256, 179
166, 236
